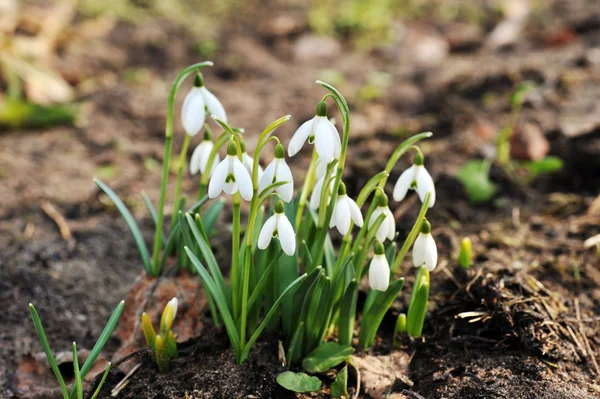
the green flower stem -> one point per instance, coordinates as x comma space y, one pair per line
412, 236
167, 161
309, 183
220, 142
180, 170
235, 254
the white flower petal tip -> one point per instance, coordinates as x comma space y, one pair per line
200, 157
278, 226
278, 171
415, 178
321, 132
231, 176
387, 228
345, 211
192, 112
424, 249
213, 105
379, 273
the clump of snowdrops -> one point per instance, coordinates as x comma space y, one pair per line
286, 269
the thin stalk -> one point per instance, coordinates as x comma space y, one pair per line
180, 170
412, 236
308, 183
167, 161
235, 254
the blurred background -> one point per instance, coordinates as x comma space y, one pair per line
510, 89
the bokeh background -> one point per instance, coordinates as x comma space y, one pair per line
83, 93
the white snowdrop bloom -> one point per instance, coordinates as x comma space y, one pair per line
279, 226
169, 314
197, 103
344, 211
248, 161
231, 176
320, 131
424, 249
387, 229
200, 156
278, 170
417, 178
315, 197
379, 269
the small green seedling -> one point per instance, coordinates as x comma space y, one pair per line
417, 308
163, 344
466, 253
339, 388
80, 373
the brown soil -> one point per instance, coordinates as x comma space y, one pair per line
535, 289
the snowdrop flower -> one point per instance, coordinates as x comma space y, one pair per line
387, 229
231, 176
248, 161
320, 131
344, 211
379, 269
279, 226
200, 156
278, 170
315, 198
197, 103
168, 315
417, 178
424, 250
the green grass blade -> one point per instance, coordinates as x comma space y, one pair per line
104, 336
133, 227
152, 212
102, 381
347, 314
219, 298
211, 215
270, 314
44, 341
417, 311
78, 381
295, 348
260, 286
371, 320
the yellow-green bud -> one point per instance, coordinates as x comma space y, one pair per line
342, 189
322, 108
232, 148
466, 253
426, 227
279, 151
198, 80
378, 248
279, 206
418, 159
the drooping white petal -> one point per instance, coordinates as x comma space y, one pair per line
217, 180
213, 104
431, 255
355, 212
425, 184
315, 197
243, 179
283, 173
287, 237
391, 224
200, 157
337, 142
266, 233
340, 215
320, 169
379, 273
267, 178
403, 183
192, 112
382, 231
299, 138
324, 140
419, 249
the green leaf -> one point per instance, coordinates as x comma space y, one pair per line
16, 113
418, 309
326, 356
295, 348
104, 336
133, 227
260, 286
219, 298
44, 341
298, 382
547, 165
101, 383
78, 381
348, 314
339, 388
371, 320
474, 175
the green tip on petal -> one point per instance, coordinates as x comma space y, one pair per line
198, 80
232, 148
418, 160
426, 227
342, 189
322, 108
382, 199
379, 249
279, 206
279, 151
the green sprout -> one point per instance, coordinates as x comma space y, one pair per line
163, 345
465, 255
80, 373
